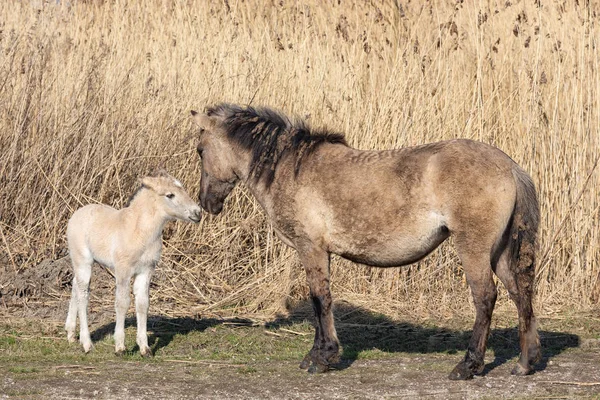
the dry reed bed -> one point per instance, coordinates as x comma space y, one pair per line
96, 94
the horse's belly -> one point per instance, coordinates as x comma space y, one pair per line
390, 251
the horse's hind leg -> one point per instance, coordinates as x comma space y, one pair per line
141, 287
326, 345
521, 292
478, 271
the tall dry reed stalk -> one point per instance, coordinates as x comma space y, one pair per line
94, 94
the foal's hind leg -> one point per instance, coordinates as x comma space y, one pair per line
478, 272
82, 271
326, 345
71, 323
521, 292
141, 287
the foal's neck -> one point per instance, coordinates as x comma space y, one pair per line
147, 218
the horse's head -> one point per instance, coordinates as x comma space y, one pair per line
173, 200
219, 162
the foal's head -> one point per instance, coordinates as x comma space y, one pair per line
170, 196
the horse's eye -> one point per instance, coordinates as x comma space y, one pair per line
170, 195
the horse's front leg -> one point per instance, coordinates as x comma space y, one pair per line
326, 345
141, 288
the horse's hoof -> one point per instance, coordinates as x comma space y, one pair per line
460, 373
71, 338
519, 370
87, 347
317, 368
120, 352
305, 362
336, 359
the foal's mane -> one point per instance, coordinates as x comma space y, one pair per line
156, 172
271, 136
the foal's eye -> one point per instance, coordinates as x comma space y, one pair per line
170, 195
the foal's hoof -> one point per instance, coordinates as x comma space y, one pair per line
87, 347
519, 370
146, 353
120, 352
71, 338
461, 373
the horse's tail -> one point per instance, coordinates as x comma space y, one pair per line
522, 248
524, 227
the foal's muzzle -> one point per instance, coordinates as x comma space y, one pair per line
195, 215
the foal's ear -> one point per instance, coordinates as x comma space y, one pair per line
202, 120
149, 182
159, 171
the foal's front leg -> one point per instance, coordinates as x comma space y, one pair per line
121, 307
326, 345
141, 288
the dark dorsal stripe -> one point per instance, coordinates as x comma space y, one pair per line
271, 136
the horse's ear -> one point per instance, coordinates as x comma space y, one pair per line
202, 120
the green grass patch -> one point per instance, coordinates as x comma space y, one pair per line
23, 393
23, 370
363, 336
247, 370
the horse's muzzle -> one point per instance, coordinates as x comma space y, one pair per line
215, 208
211, 204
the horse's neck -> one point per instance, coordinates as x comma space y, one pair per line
264, 195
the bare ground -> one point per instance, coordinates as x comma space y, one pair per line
397, 377
240, 358
214, 357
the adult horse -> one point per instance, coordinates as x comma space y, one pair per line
380, 208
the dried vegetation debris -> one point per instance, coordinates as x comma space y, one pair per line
110, 96
48, 278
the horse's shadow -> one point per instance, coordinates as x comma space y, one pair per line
361, 330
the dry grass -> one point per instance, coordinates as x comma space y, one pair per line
94, 95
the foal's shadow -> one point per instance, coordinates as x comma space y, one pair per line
360, 329
162, 330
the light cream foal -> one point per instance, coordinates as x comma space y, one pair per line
128, 241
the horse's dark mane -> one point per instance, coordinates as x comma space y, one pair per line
271, 136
